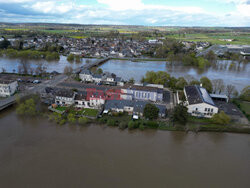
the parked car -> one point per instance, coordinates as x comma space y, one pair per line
36, 81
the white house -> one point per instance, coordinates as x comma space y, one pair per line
199, 102
8, 88
94, 101
65, 97
86, 76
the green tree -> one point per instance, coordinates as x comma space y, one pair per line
70, 57
181, 83
71, 118
207, 84
141, 126
4, 44
150, 111
83, 120
27, 108
180, 114
123, 125
210, 56
194, 82
245, 94
111, 122
99, 71
131, 81
221, 118
133, 124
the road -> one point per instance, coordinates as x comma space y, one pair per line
4, 103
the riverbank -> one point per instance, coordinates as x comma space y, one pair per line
124, 121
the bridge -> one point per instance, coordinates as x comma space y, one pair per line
50, 83
91, 64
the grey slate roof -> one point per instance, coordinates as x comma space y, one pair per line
138, 105
85, 71
196, 94
65, 93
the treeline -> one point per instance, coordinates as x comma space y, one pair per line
212, 86
74, 58
30, 54
174, 51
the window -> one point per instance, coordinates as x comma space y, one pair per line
212, 110
205, 109
208, 109
196, 109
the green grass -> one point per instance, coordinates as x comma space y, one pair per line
245, 106
90, 112
58, 31
61, 108
78, 37
215, 38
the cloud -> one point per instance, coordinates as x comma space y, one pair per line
129, 12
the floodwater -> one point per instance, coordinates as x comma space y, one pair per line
38, 153
11, 65
237, 75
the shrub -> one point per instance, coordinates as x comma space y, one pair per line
62, 122
111, 122
152, 124
133, 124
221, 118
141, 126
151, 111
123, 125
103, 120
28, 108
71, 118
83, 120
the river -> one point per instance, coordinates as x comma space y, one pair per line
38, 153
238, 75
11, 65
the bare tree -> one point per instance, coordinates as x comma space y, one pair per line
31, 71
218, 86
3, 70
40, 69
19, 69
25, 66
68, 70
230, 89
14, 70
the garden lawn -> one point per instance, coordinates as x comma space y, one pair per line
61, 108
245, 106
90, 112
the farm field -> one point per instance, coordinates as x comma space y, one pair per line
215, 38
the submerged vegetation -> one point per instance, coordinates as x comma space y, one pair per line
30, 54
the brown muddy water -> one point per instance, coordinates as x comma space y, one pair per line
37, 153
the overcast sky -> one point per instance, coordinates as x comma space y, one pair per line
129, 12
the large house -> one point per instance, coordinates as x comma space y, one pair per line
199, 102
86, 75
93, 100
8, 88
65, 97
146, 93
131, 107
105, 79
